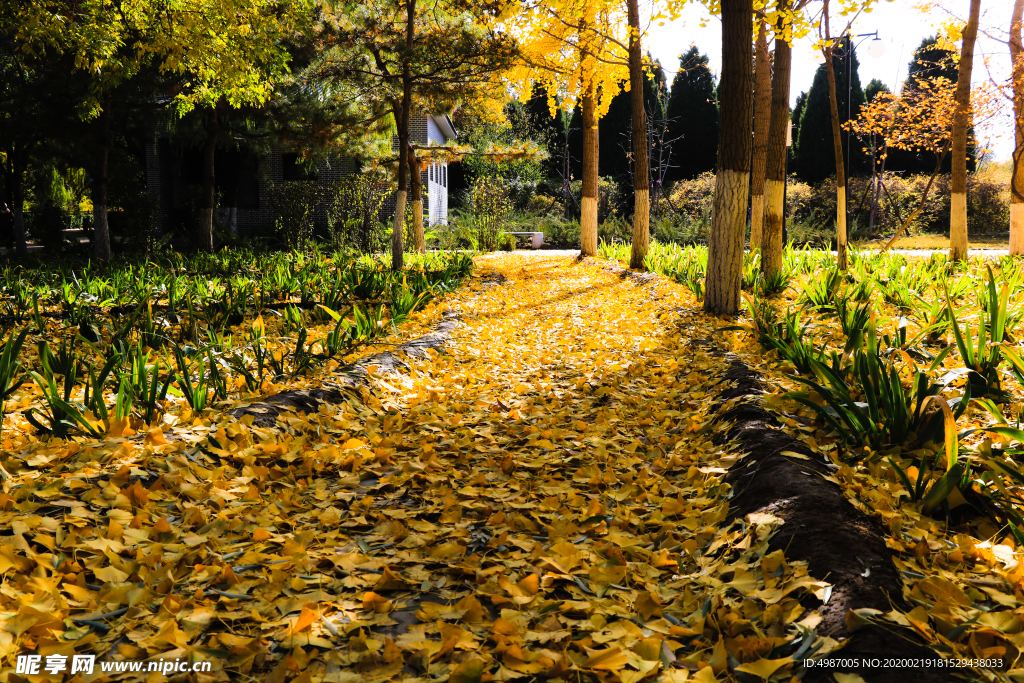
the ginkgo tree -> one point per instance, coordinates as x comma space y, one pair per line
789, 22
961, 123
762, 116
732, 181
576, 52
850, 10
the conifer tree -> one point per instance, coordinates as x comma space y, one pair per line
693, 117
813, 152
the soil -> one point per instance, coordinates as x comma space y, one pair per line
840, 544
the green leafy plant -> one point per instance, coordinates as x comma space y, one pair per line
983, 352
10, 367
62, 415
404, 301
775, 282
789, 341
751, 270
196, 393
820, 293
866, 403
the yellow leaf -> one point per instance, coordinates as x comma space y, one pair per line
764, 667
705, 675
848, 678
470, 671
306, 618
111, 575
610, 659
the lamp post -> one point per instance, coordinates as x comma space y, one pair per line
876, 50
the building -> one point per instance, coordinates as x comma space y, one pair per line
174, 176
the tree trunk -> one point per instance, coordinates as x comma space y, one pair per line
588, 216
100, 227
1017, 179
402, 117
17, 164
641, 164
837, 144
732, 182
939, 158
876, 183
209, 198
762, 116
775, 166
420, 242
961, 120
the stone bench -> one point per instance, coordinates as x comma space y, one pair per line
536, 238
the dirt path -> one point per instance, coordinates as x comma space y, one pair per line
544, 498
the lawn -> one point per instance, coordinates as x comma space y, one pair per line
933, 241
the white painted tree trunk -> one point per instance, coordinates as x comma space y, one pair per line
1016, 228
771, 247
958, 226
841, 234
641, 228
417, 226
588, 226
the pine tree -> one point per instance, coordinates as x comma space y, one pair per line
931, 61
693, 117
613, 135
794, 117
815, 155
394, 59
873, 88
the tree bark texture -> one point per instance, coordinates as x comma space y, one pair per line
402, 116
762, 117
588, 216
101, 229
735, 143
209, 198
641, 164
837, 143
1017, 179
419, 240
775, 165
961, 121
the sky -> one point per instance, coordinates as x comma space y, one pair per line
900, 27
